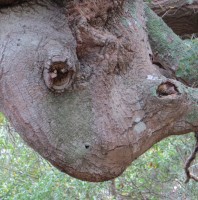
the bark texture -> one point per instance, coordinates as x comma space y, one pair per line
79, 85
177, 58
180, 15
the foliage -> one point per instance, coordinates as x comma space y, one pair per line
158, 174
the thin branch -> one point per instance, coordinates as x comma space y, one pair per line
113, 188
190, 160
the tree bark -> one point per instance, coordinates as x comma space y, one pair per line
180, 15
176, 57
78, 83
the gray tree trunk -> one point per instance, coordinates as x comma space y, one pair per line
80, 82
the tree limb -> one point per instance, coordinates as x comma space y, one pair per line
181, 16
175, 55
190, 160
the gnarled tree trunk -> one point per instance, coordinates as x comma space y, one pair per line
81, 83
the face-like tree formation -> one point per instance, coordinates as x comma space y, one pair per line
91, 85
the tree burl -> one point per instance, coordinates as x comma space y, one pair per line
91, 85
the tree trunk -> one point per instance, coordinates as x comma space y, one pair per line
79, 82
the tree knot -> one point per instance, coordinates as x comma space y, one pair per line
59, 74
167, 88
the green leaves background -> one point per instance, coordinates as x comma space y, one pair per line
158, 174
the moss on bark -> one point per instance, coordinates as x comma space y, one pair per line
173, 53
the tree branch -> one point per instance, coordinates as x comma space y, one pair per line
190, 160
181, 16
175, 55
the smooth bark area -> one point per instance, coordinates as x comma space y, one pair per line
78, 83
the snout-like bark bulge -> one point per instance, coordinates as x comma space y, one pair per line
91, 85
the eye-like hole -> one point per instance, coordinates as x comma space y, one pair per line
58, 76
166, 89
87, 146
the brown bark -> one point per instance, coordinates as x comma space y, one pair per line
113, 189
10, 2
192, 157
78, 84
180, 15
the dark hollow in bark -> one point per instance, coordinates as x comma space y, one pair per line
58, 75
167, 88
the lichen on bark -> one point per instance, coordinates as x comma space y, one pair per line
173, 53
